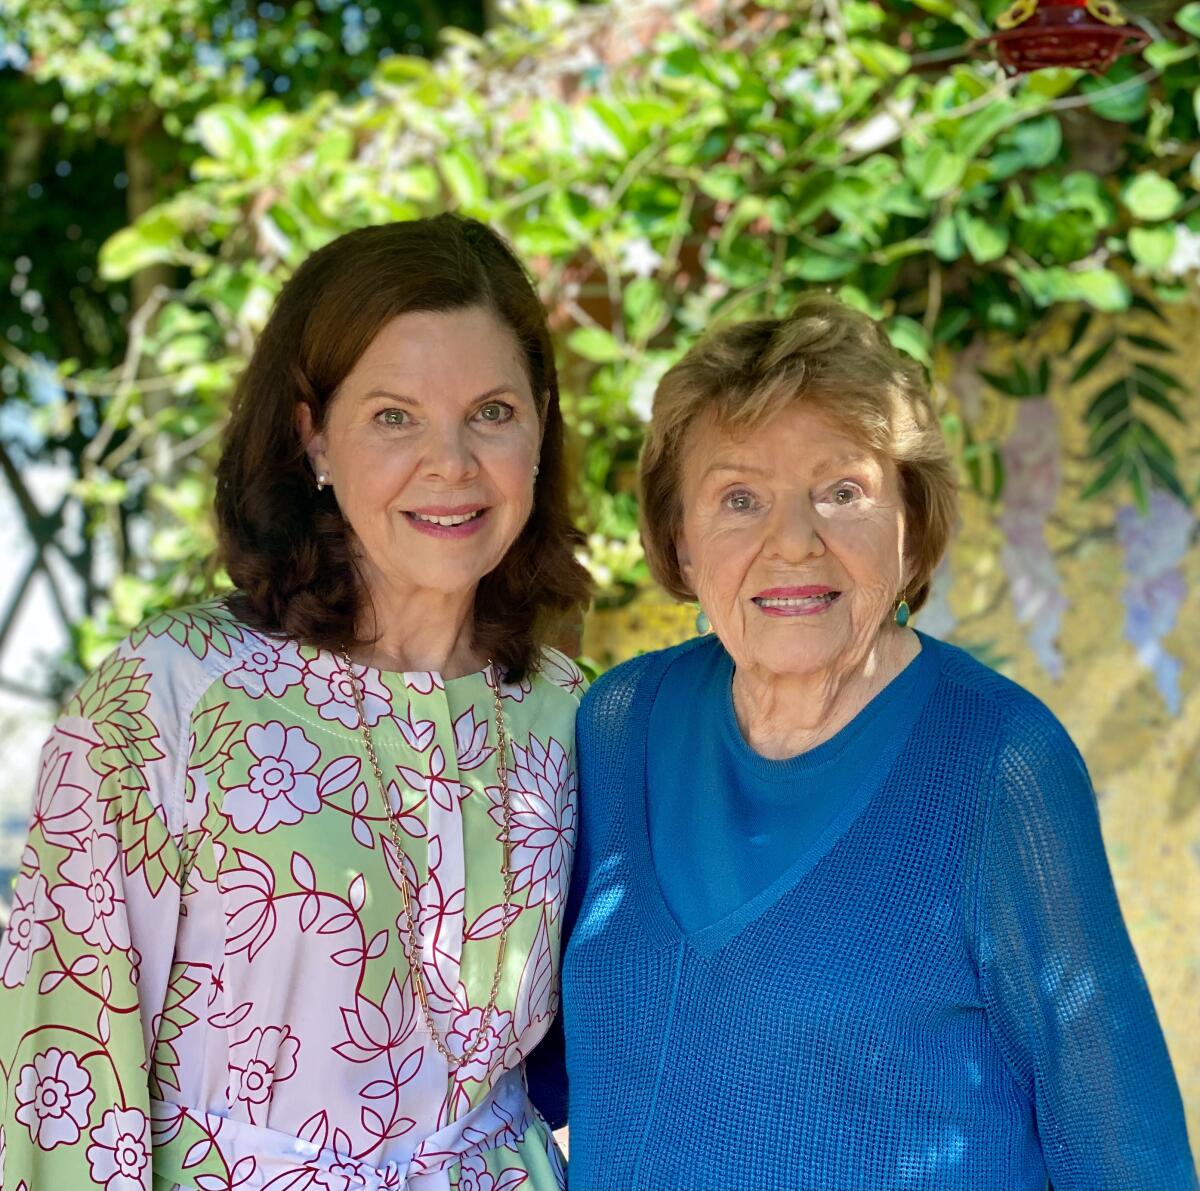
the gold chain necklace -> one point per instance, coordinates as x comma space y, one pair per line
409, 938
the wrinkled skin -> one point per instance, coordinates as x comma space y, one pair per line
796, 503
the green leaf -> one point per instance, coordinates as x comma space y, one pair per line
1152, 246
933, 169
1105, 478
1146, 343
1165, 379
226, 134
1151, 197
946, 241
1162, 54
464, 176
1108, 401
152, 240
883, 60
985, 240
1010, 386
1100, 288
1188, 19
645, 309
1030, 145
1118, 95
909, 336
595, 344
1139, 485
1167, 477
1092, 359
1079, 329
1159, 400
1107, 435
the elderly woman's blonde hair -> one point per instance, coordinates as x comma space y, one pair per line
825, 356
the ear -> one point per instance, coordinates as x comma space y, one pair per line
683, 555
314, 441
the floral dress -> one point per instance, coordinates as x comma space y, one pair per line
203, 982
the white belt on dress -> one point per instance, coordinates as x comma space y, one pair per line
500, 1118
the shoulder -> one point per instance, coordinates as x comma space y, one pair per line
1025, 739
133, 714
154, 679
628, 689
562, 673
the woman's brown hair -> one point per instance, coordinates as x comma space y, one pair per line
287, 546
831, 358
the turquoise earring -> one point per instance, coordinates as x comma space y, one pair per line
703, 624
903, 612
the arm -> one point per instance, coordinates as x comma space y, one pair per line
1063, 990
85, 962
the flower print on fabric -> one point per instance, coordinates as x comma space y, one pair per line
27, 932
468, 1031
329, 688
474, 1175
267, 669
91, 896
206, 913
563, 672
54, 1094
119, 1153
471, 740
249, 893
424, 682
542, 790
280, 785
60, 806
257, 1063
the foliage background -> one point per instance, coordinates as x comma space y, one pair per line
662, 165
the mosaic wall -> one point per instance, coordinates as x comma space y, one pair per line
1096, 609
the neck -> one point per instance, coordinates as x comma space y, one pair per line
418, 629
783, 715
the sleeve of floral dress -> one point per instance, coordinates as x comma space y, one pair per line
1065, 996
86, 958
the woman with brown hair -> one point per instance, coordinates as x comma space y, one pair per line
290, 909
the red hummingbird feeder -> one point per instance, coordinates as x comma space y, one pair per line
1085, 34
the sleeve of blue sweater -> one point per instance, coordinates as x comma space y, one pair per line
1063, 990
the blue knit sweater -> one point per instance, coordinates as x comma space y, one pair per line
943, 996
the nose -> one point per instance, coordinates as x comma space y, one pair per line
450, 456
793, 531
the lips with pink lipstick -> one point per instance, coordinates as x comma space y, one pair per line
811, 600
447, 521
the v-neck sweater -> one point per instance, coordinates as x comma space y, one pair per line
945, 997
731, 825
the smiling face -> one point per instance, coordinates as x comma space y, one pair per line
430, 445
792, 538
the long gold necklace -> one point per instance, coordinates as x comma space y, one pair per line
409, 938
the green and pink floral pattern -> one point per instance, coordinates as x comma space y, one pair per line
203, 984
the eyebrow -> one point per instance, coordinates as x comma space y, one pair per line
400, 397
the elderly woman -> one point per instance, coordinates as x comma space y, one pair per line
289, 913
841, 915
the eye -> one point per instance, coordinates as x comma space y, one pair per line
843, 495
740, 501
393, 417
496, 412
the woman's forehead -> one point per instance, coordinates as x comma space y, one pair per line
801, 433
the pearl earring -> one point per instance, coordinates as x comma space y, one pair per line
322, 481
536, 469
